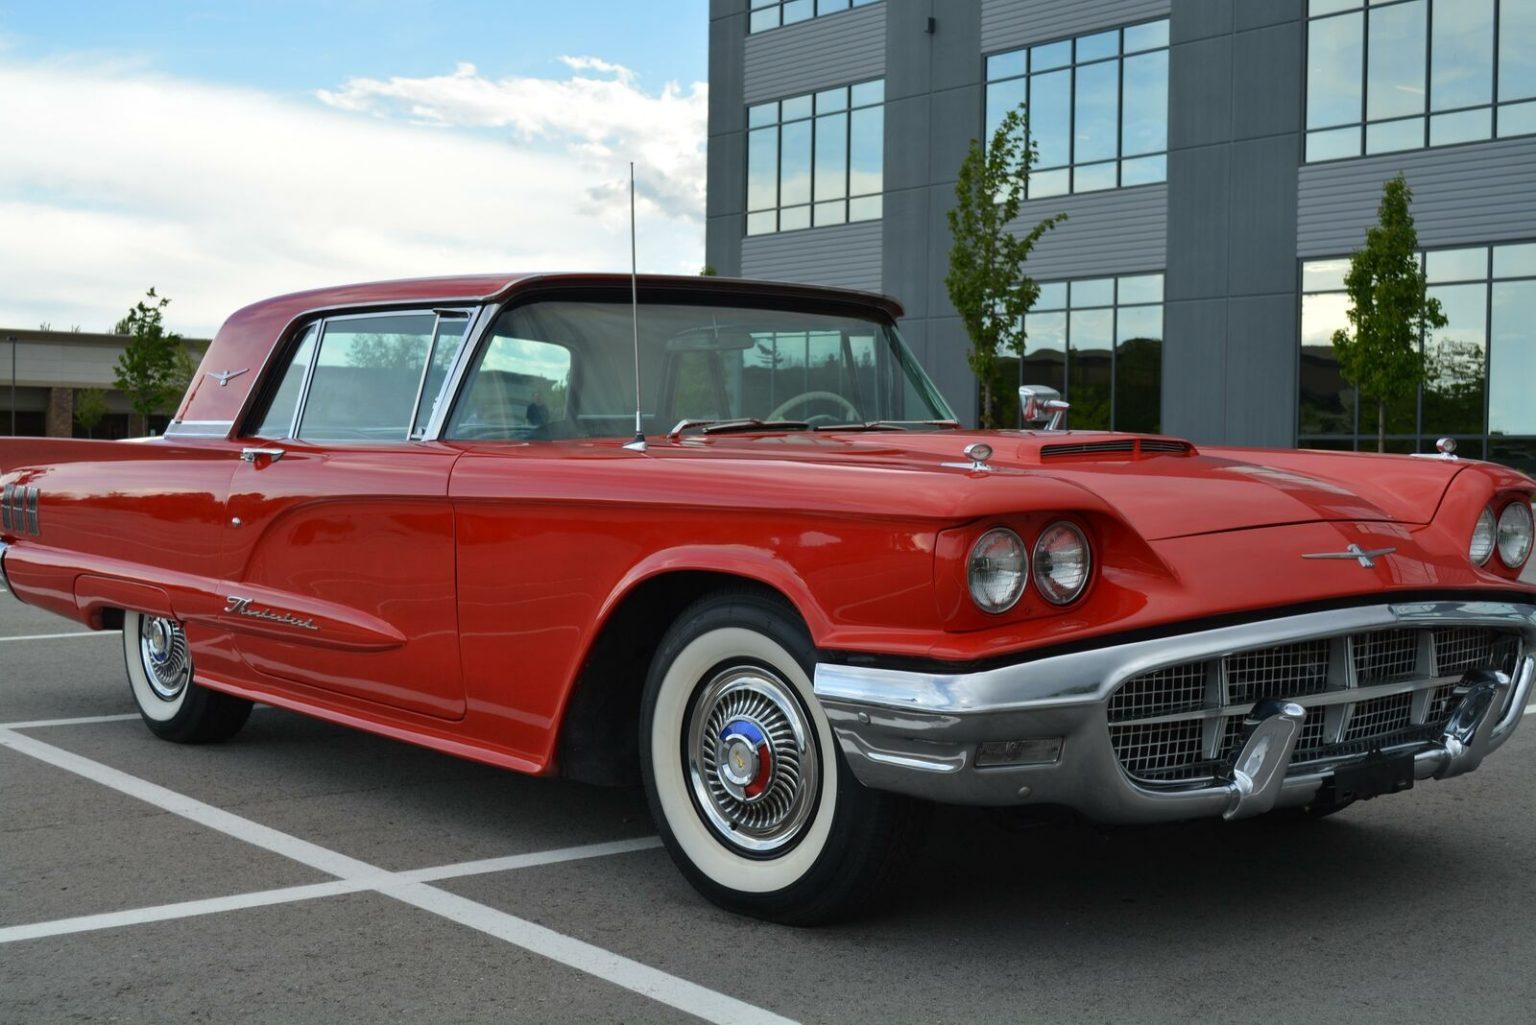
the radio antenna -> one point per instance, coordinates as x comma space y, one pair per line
638, 445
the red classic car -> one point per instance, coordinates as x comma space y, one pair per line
802, 598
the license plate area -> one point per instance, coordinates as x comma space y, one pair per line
1377, 775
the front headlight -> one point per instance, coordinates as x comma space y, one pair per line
997, 570
1062, 563
1484, 538
1515, 531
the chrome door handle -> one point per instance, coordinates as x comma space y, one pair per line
250, 455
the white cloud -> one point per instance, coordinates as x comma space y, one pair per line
117, 179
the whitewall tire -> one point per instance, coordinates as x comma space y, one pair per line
174, 707
742, 772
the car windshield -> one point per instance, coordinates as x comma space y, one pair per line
564, 369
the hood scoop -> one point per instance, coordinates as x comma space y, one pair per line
1114, 449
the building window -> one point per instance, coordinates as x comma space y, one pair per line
816, 160
767, 14
1099, 342
1480, 365
1414, 73
1098, 107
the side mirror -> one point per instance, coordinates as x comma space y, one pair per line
1041, 405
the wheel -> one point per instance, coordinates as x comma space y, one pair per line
160, 676
749, 793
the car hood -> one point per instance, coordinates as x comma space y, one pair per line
1163, 487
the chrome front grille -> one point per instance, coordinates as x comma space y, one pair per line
1182, 724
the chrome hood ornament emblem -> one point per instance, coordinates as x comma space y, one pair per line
1367, 559
225, 376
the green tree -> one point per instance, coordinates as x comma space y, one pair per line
1389, 310
151, 368
986, 279
90, 408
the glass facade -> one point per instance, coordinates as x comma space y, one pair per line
816, 160
1099, 341
767, 14
1098, 107
1407, 74
1482, 365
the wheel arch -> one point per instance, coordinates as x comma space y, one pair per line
598, 738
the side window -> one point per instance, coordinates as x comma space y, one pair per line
366, 378
445, 345
518, 389
278, 419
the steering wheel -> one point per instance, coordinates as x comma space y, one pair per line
815, 396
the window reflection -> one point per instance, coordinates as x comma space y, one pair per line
1099, 341
1479, 368
816, 160
1395, 48
1097, 105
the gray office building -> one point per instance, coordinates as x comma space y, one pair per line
1218, 160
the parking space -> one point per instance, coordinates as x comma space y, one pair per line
304, 872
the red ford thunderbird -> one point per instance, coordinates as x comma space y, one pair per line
799, 604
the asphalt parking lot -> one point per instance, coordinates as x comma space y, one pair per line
306, 873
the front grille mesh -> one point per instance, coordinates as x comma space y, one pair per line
1175, 689
1199, 706
1385, 656
1292, 669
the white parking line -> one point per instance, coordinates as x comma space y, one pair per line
37, 724
60, 637
312, 891
621, 971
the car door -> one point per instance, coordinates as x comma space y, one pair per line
343, 527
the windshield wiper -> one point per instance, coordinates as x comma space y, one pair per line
745, 423
890, 425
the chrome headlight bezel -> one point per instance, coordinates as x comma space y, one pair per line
1041, 560
1518, 522
1485, 538
982, 558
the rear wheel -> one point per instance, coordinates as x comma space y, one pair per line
174, 708
746, 785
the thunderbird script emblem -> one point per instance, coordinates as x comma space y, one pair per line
242, 607
225, 376
1367, 559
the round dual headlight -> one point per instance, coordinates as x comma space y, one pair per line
1515, 533
1063, 563
1484, 539
997, 570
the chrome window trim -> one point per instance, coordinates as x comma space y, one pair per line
480, 322
324, 323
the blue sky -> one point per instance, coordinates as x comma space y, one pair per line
287, 46
228, 151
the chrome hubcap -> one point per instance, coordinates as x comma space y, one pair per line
752, 760
163, 651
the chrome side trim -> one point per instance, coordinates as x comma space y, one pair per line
31, 511
5, 506
198, 429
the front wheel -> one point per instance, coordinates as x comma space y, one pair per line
174, 708
744, 780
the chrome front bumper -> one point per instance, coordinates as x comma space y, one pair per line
918, 733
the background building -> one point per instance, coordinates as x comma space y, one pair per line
1218, 160
51, 368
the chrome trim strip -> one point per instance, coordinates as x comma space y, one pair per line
5, 506
480, 321
198, 429
32, 524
